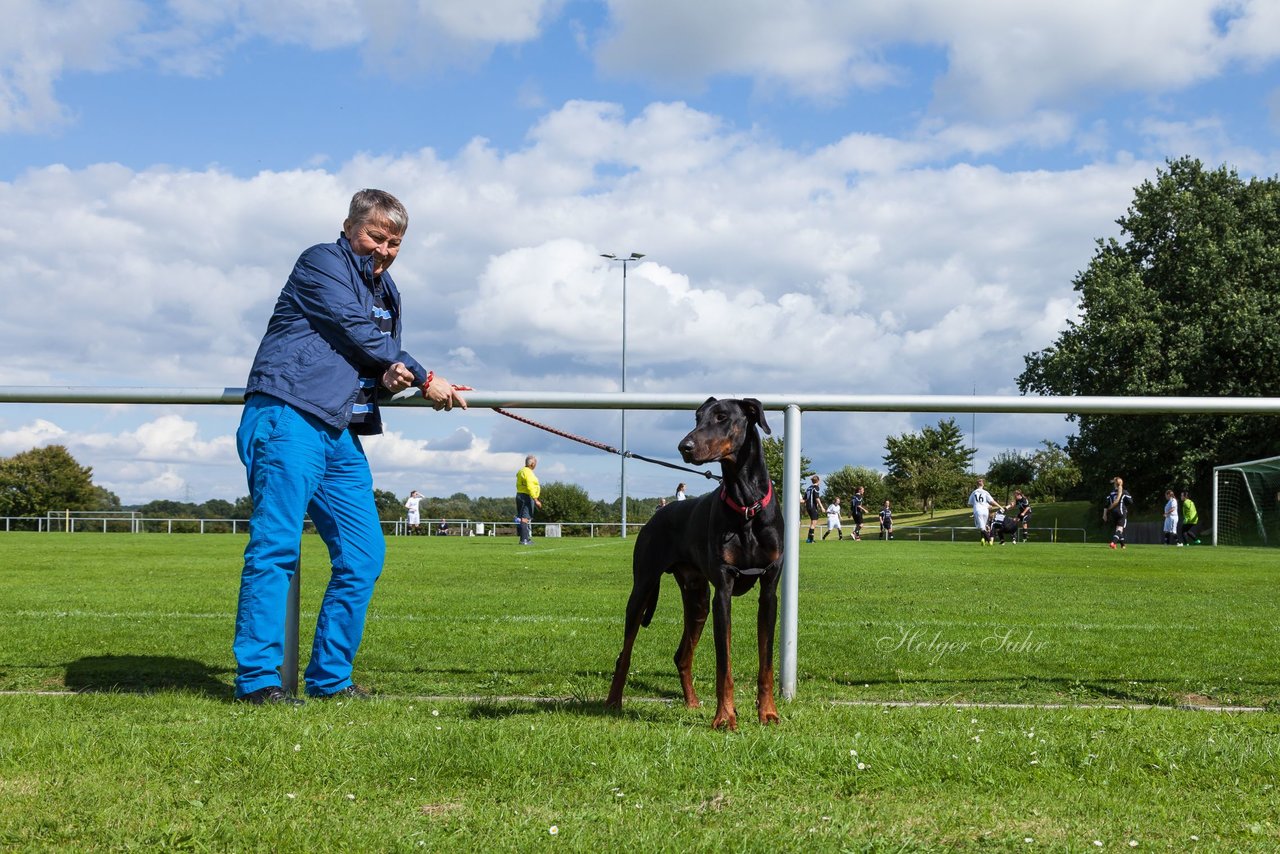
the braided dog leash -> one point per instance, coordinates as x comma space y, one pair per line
585, 441
601, 445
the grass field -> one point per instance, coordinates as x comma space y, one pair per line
489, 663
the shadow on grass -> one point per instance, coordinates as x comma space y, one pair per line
145, 674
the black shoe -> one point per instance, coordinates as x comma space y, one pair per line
351, 692
272, 695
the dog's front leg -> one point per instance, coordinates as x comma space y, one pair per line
766, 621
726, 714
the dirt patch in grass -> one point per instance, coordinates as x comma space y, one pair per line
448, 808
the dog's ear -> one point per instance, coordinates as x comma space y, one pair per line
755, 412
702, 408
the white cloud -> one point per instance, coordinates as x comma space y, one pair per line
766, 268
38, 434
1004, 58
40, 41
406, 36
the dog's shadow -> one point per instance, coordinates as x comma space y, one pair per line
145, 674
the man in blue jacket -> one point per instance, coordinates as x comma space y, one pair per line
331, 349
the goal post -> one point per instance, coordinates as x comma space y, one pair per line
1246, 503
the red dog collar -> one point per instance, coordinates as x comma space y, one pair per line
747, 512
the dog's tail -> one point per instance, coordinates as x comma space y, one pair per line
650, 605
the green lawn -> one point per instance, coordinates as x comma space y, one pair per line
453, 753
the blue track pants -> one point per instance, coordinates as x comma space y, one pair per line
296, 465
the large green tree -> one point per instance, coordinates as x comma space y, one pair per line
390, 506
842, 483
566, 502
1185, 302
1056, 472
42, 479
930, 465
1010, 470
774, 460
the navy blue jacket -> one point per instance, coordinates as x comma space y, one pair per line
322, 336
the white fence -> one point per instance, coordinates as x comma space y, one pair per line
87, 522
90, 521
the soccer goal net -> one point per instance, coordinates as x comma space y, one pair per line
1246, 503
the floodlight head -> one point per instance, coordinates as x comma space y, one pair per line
609, 255
635, 255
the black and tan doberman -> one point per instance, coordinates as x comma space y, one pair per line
721, 543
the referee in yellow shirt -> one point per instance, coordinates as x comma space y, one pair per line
527, 492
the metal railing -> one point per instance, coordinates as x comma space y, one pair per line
790, 404
963, 533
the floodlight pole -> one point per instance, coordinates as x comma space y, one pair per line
634, 256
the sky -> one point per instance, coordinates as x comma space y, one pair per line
832, 196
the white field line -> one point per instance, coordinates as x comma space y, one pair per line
667, 701
453, 619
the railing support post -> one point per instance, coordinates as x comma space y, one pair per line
790, 549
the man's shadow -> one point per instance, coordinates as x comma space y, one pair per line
145, 674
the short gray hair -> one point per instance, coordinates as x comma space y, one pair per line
379, 206
530, 460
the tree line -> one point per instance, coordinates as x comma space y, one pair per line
50, 479
931, 470
1186, 302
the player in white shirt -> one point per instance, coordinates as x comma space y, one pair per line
833, 519
981, 501
415, 498
1170, 519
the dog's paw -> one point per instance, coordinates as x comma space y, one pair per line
767, 711
726, 718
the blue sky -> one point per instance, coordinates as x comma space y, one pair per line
881, 197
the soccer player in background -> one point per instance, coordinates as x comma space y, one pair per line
1170, 519
1116, 511
833, 519
858, 511
1189, 524
886, 521
981, 501
1021, 512
813, 504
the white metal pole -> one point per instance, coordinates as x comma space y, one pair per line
790, 549
623, 447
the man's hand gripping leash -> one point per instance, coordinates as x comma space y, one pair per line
442, 393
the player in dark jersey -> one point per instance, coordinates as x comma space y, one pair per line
813, 504
886, 522
1021, 513
855, 503
1116, 511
